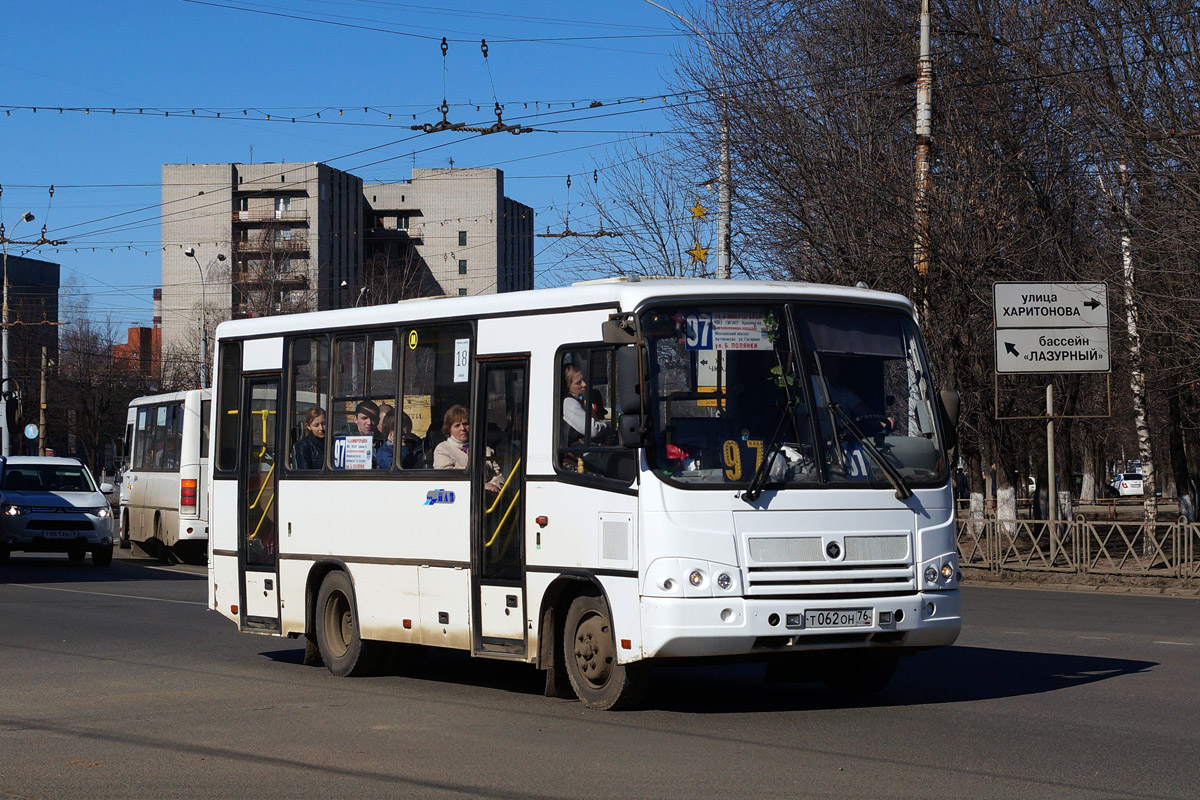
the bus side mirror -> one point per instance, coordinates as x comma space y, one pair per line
948, 406
629, 381
629, 431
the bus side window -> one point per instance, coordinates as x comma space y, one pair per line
436, 377
309, 403
587, 423
229, 375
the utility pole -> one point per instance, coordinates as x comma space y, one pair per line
42, 409
924, 130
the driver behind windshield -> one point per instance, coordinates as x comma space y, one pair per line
840, 374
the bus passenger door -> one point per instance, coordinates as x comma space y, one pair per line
498, 510
258, 533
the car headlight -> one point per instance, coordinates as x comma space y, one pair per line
101, 511
12, 511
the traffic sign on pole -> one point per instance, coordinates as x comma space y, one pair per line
1054, 350
1051, 327
1051, 305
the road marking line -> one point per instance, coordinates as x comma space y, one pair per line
1102, 638
108, 594
1181, 644
1017, 633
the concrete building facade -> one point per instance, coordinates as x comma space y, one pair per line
466, 237
264, 239
280, 238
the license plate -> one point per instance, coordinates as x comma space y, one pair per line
839, 618
59, 534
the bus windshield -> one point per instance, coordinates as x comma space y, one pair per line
796, 394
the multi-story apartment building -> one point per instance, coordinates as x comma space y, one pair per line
253, 239
463, 236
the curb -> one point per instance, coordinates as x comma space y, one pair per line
1091, 588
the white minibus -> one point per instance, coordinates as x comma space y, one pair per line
163, 506
593, 479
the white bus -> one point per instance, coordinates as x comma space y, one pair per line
653, 470
163, 502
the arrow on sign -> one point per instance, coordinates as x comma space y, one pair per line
1093, 304
1011, 349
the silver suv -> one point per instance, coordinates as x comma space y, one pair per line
52, 505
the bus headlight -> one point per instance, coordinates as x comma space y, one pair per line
724, 581
696, 578
947, 571
931, 575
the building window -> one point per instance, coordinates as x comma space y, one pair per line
462, 292
282, 205
462, 238
462, 266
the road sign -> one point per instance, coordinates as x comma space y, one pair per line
1052, 350
1051, 305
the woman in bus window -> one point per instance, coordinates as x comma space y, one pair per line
578, 413
452, 453
309, 452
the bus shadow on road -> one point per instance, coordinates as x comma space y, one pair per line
947, 675
37, 568
443, 666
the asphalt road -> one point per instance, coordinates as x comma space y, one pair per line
118, 683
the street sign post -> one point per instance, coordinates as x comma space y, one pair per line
1055, 350
1051, 305
1051, 327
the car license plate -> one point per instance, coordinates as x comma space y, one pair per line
59, 534
839, 618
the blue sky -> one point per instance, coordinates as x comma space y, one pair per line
172, 57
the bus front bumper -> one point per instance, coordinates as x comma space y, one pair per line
690, 627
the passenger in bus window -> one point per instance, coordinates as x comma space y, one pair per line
453, 453
366, 419
309, 452
386, 450
578, 413
411, 455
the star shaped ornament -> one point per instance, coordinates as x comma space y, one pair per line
698, 253
699, 211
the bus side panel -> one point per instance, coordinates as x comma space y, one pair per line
293, 575
387, 595
389, 519
445, 595
224, 590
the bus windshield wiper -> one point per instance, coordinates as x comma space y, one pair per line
754, 490
893, 475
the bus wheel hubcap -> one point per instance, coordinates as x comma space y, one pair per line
594, 650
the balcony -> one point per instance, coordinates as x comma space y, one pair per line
270, 215
259, 279
296, 244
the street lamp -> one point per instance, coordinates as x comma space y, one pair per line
191, 253
723, 178
5, 443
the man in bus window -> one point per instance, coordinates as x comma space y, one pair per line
366, 419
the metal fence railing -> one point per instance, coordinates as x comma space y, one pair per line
1081, 546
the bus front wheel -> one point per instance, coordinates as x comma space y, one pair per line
590, 653
342, 648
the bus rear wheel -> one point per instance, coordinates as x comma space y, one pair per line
342, 648
590, 654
